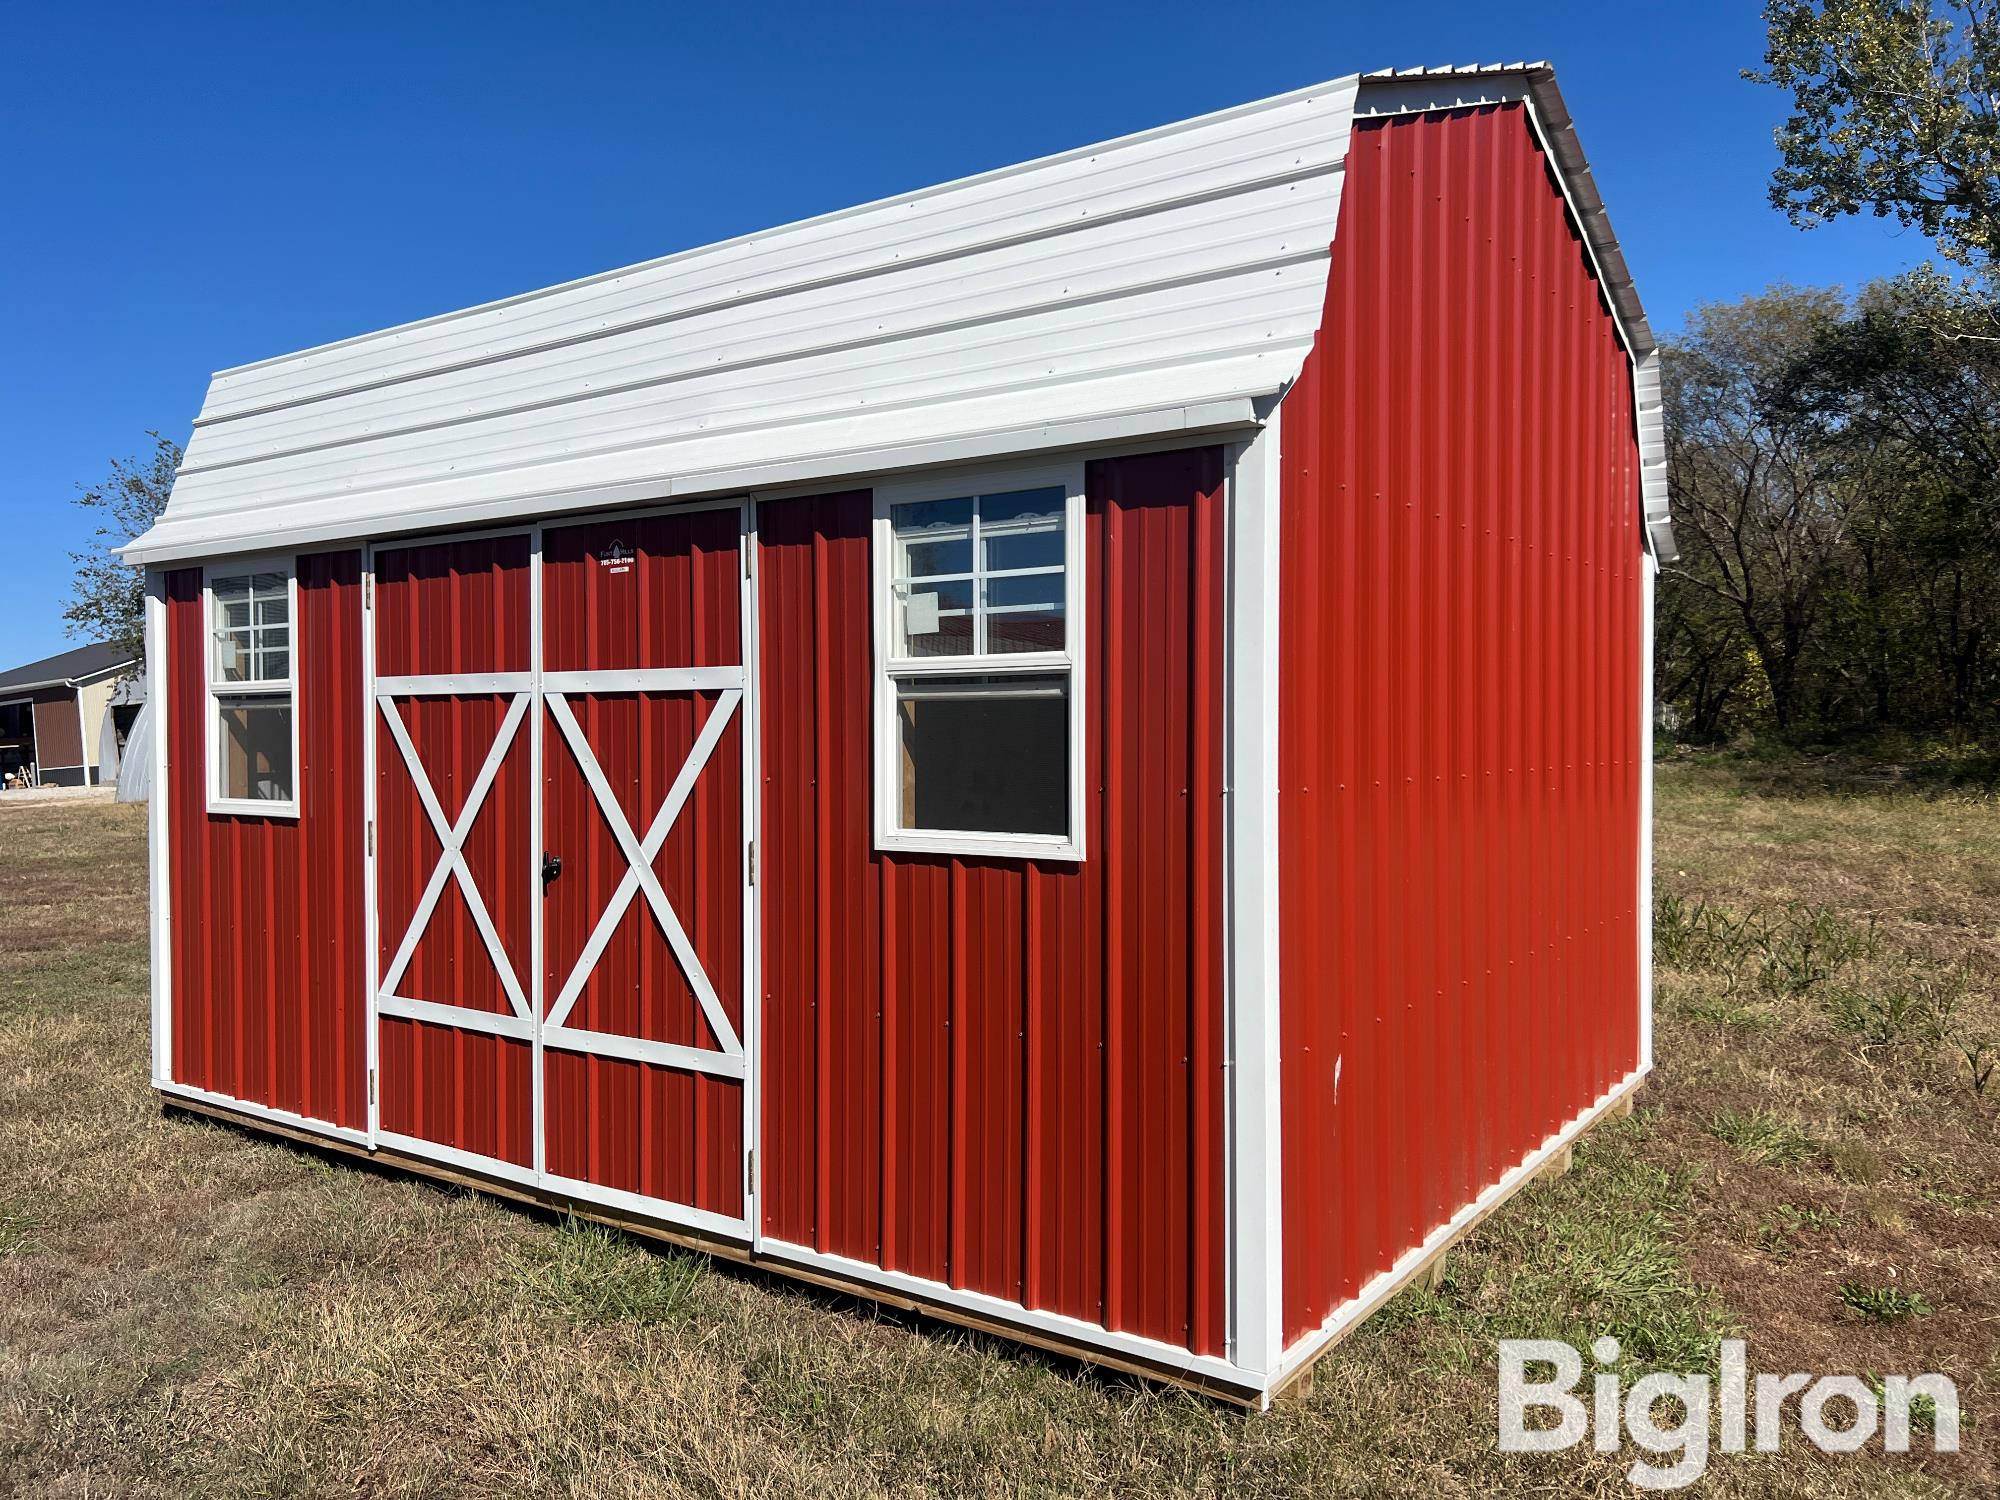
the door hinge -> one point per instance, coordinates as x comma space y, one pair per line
753, 861
371, 838
368, 592
750, 1172
371, 1085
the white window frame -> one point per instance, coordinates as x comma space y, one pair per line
890, 669
214, 691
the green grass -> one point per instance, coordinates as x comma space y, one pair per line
1764, 1137
187, 1308
1885, 1304
594, 1274
1600, 1251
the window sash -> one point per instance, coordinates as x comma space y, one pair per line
265, 591
896, 673
977, 531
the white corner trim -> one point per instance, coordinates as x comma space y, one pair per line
370, 922
1647, 568
159, 881
1251, 936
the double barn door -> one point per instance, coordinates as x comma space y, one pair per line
560, 858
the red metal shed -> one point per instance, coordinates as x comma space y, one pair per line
1070, 749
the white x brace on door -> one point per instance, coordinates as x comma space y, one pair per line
451, 865
640, 878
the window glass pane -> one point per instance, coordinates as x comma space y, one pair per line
1024, 549
232, 656
927, 557
252, 628
255, 748
935, 619
1022, 505
931, 515
984, 754
1025, 614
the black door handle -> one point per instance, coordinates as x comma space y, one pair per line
551, 867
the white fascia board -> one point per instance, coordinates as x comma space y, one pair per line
318, 523
1649, 414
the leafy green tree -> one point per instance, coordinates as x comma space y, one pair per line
1894, 113
1834, 470
1760, 523
1907, 409
108, 597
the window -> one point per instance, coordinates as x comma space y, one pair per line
253, 699
978, 738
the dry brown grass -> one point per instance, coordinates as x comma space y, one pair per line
188, 1309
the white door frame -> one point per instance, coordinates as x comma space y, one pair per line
538, 697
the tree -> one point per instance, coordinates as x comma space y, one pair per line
1896, 111
1909, 411
108, 598
1834, 471
1762, 527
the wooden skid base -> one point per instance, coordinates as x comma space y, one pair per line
726, 1249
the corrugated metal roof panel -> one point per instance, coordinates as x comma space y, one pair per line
1159, 283
1170, 270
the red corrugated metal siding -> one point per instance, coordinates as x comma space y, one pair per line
1459, 722
451, 965
455, 607
269, 992
635, 1126
1002, 1075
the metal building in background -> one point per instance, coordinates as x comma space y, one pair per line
64, 719
1069, 749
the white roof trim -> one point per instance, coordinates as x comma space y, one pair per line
442, 512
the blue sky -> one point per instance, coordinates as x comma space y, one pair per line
187, 187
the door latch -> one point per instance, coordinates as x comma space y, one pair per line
551, 868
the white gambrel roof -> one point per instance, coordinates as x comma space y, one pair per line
1166, 282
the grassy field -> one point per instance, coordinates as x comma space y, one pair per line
187, 1309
